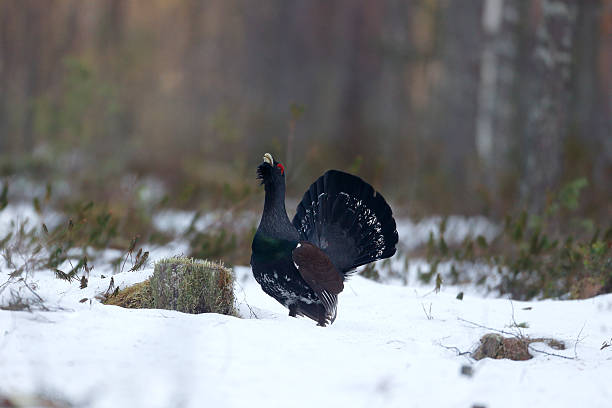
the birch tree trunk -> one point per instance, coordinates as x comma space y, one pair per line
603, 115
546, 97
497, 113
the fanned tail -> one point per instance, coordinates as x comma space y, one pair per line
350, 221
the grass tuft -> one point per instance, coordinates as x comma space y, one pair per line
137, 296
496, 346
184, 284
193, 286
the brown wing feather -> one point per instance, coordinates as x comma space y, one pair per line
317, 269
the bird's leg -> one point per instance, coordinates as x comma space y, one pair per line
293, 310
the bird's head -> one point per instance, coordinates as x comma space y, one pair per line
270, 171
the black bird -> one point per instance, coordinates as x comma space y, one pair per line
341, 223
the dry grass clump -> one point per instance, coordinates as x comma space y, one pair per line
588, 287
493, 345
193, 286
137, 296
184, 284
34, 400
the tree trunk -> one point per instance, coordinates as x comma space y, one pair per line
455, 103
603, 112
546, 97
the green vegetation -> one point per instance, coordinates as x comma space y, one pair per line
193, 286
552, 254
85, 230
183, 284
74, 241
557, 252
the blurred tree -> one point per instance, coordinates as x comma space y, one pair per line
537, 80
546, 96
453, 111
434, 101
600, 124
496, 118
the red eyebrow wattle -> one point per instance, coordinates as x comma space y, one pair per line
280, 166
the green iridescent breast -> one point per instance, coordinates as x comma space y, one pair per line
267, 249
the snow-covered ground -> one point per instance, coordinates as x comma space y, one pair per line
391, 346
383, 350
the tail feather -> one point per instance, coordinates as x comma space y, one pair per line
345, 217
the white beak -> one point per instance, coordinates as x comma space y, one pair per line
268, 159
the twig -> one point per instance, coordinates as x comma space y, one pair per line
244, 299
578, 339
514, 320
129, 252
455, 349
41, 300
5, 285
125, 260
428, 315
25, 283
250, 309
550, 354
521, 338
488, 328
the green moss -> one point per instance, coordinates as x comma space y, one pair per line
184, 284
193, 286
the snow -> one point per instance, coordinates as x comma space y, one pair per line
404, 270
415, 233
390, 346
381, 351
13, 216
179, 221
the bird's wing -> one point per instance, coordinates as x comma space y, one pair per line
319, 273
